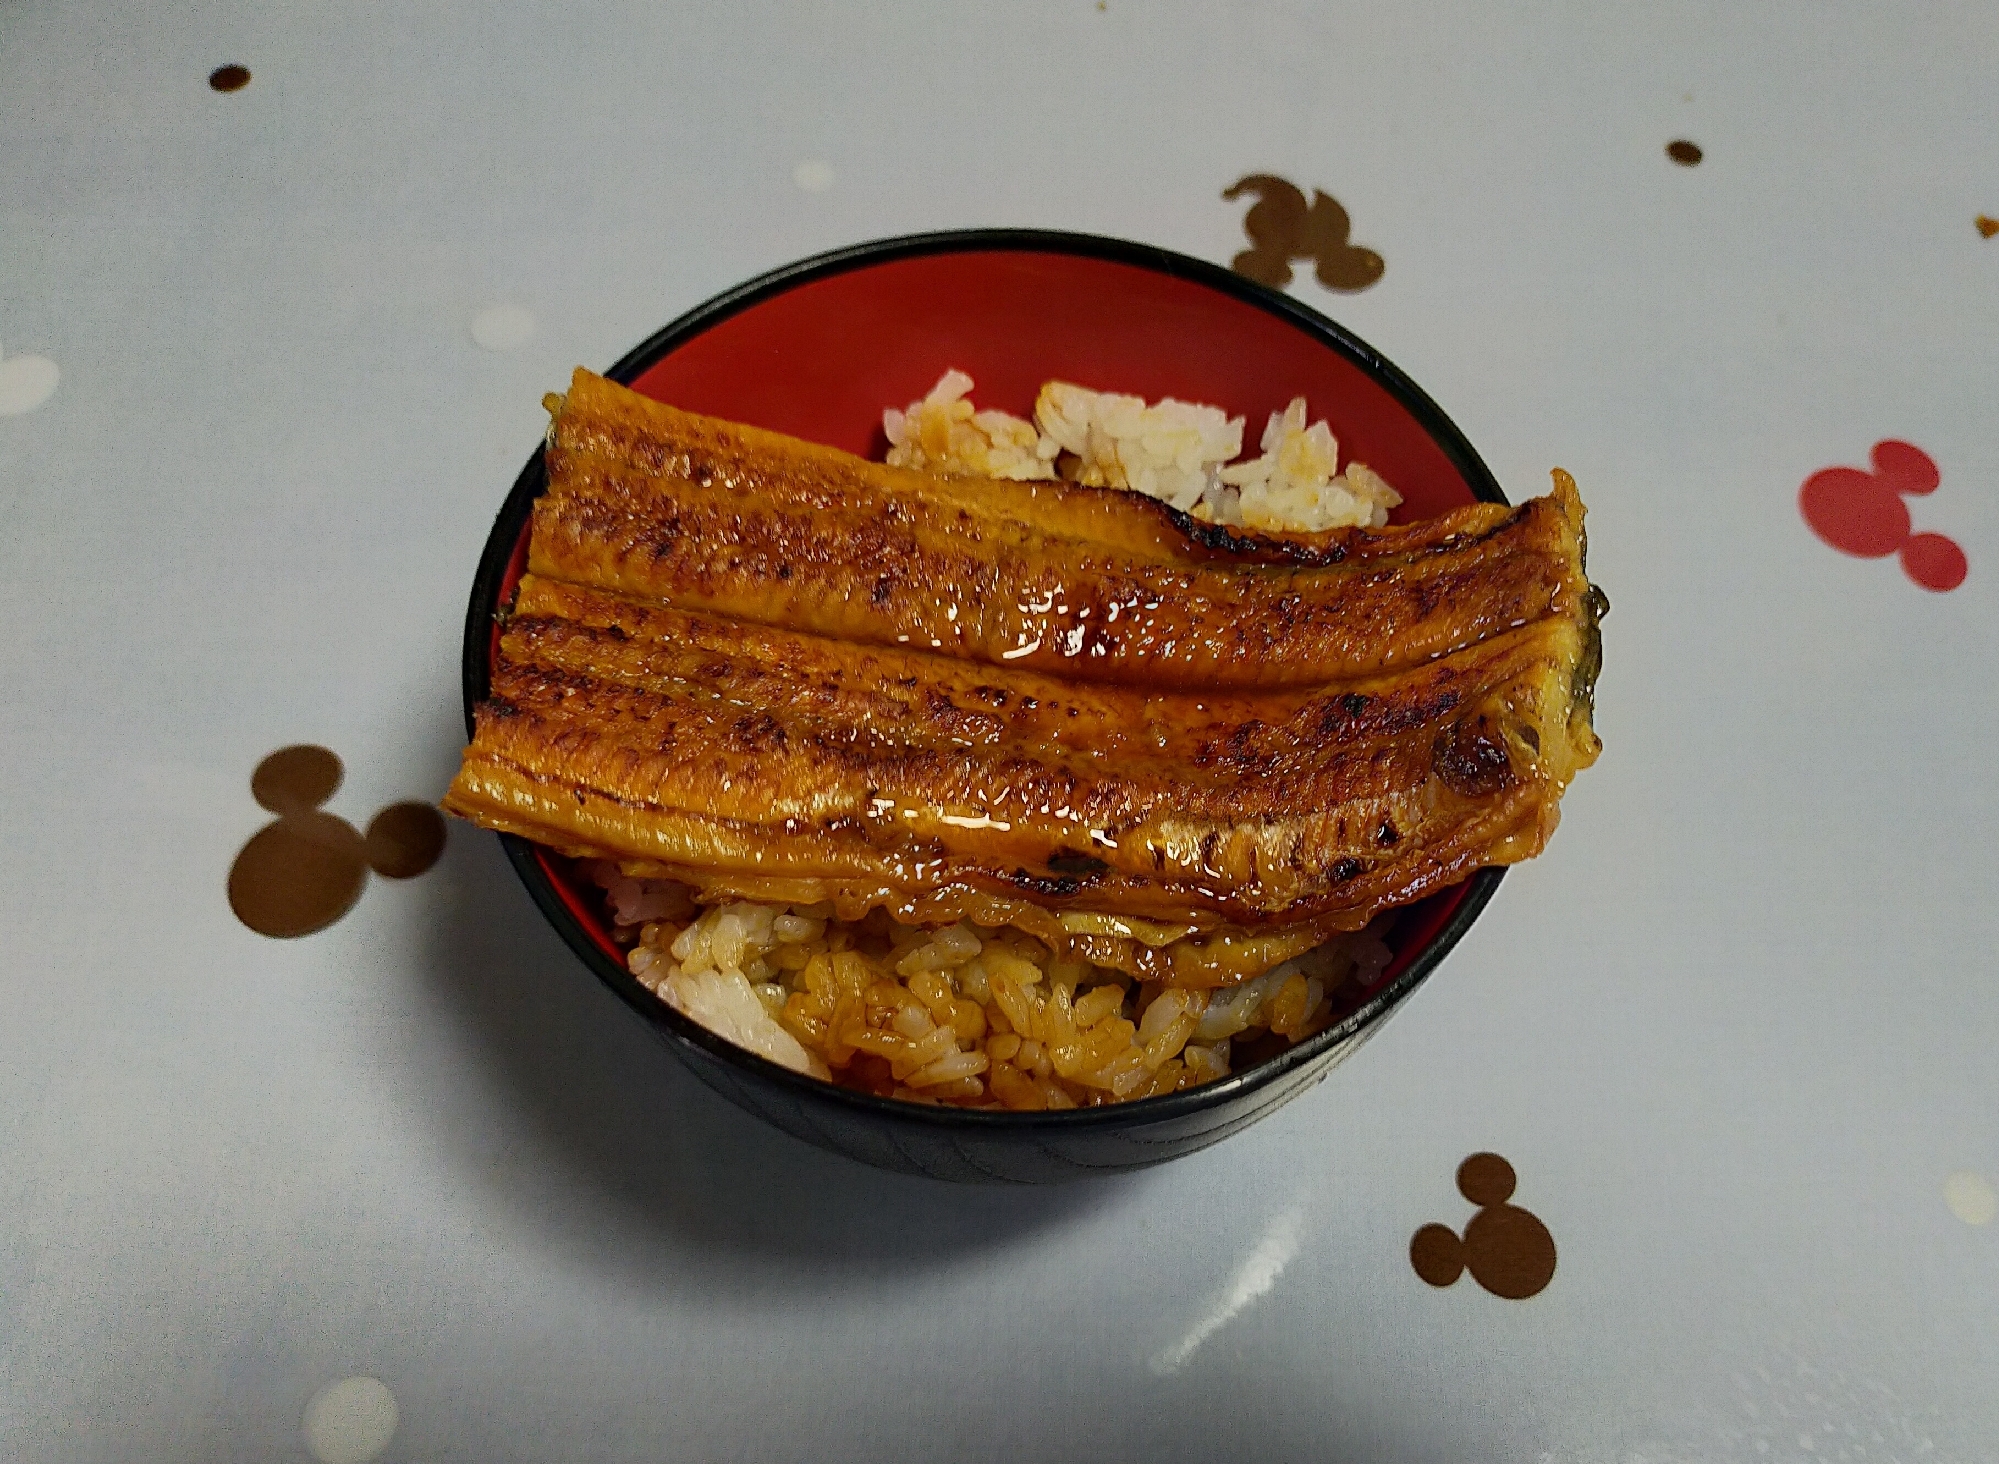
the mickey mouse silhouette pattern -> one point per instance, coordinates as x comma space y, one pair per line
1863, 514
305, 871
1507, 1249
1282, 228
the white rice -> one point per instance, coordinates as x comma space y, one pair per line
1172, 451
1181, 453
1296, 483
943, 434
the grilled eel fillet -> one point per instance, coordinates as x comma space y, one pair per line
780, 672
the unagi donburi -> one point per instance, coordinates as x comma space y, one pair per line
1011, 792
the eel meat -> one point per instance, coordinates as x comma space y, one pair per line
777, 671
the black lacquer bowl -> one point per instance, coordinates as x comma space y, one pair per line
817, 349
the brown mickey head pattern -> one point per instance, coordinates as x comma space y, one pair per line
1507, 1249
1283, 228
305, 871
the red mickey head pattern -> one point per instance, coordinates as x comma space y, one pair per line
1863, 514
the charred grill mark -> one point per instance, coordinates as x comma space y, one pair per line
1470, 757
1223, 540
759, 731
964, 723
1306, 553
1353, 717
1432, 592
1054, 888
1346, 869
1386, 837
666, 539
1076, 864
1254, 764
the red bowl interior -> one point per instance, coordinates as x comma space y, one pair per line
822, 358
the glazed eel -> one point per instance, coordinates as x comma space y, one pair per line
777, 671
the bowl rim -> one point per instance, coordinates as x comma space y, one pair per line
510, 524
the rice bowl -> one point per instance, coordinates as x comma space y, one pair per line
1076, 282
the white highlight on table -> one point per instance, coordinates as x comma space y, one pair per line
350, 1421
813, 176
503, 327
1971, 1197
1253, 1278
26, 382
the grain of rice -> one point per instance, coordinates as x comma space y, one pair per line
953, 1068
1098, 1004
792, 929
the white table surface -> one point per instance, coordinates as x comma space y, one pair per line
1735, 1030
